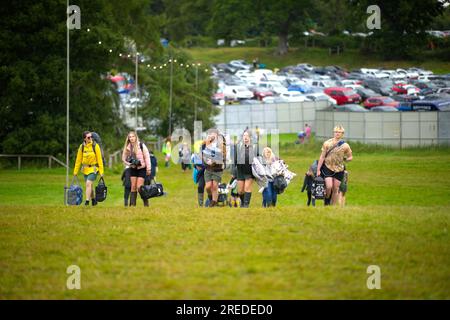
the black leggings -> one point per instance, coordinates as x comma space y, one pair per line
201, 181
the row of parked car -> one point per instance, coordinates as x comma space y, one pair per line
356, 90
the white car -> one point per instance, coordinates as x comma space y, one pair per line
292, 96
375, 73
273, 86
240, 64
322, 84
354, 86
319, 97
237, 93
421, 72
394, 75
408, 74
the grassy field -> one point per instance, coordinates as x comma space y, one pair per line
350, 59
397, 217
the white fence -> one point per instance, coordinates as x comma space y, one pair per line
286, 117
400, 129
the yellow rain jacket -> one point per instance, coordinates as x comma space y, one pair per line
88, 160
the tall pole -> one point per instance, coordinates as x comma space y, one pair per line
170, 96
136, 89
67, 102
196, 92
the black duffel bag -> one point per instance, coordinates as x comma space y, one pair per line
101, 191
151, 191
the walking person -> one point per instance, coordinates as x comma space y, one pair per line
135, 155
154, 166
199, 177
243, 158
307, 132
89, 160
269, 194
166, 150
335, 152
213, 157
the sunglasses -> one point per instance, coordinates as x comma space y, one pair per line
90, 137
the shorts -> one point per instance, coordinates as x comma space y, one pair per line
213, 175
90, 177
140, 173
242, 175
327, 173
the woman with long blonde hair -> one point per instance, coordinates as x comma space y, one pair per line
136, 156
269, 194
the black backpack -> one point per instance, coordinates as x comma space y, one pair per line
318, 188
101, 191
279, 184
96, 140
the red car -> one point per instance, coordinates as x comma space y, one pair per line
261, 93
405, 89
343, 95
380, 101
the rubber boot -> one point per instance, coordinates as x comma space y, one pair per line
200, 199
126, 196
241, 197
327, 201
247, 197
133, 196
146, 203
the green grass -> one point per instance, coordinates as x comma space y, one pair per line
397, 217
350, 59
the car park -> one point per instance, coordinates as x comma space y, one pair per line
431, 105
348, 108
237, 93
292, 96
366, 93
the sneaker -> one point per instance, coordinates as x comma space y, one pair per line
94, 202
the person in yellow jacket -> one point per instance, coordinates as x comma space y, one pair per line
91, 164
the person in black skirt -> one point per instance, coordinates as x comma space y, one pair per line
243, 158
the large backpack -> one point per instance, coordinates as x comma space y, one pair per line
151, 191
96, 140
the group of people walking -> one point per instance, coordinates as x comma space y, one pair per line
209, 164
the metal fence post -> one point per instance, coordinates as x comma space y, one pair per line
19, 162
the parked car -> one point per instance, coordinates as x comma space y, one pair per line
431, 105
300, 88
260, 93
348, 108
401, 88
274, 86
366, 93
240, 64
382, 87
384, 109
237, 92
380, 101
292, 96
343, 95
317, 96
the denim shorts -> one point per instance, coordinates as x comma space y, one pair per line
90, 177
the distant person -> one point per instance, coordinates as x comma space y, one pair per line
255, 63
335, 152
307, 131
89, 159
185, 157
136, 156
243, 158
166, 150
300, 137
343, 189
154, 166
307, 184
269, 194
213, 156
126, 182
